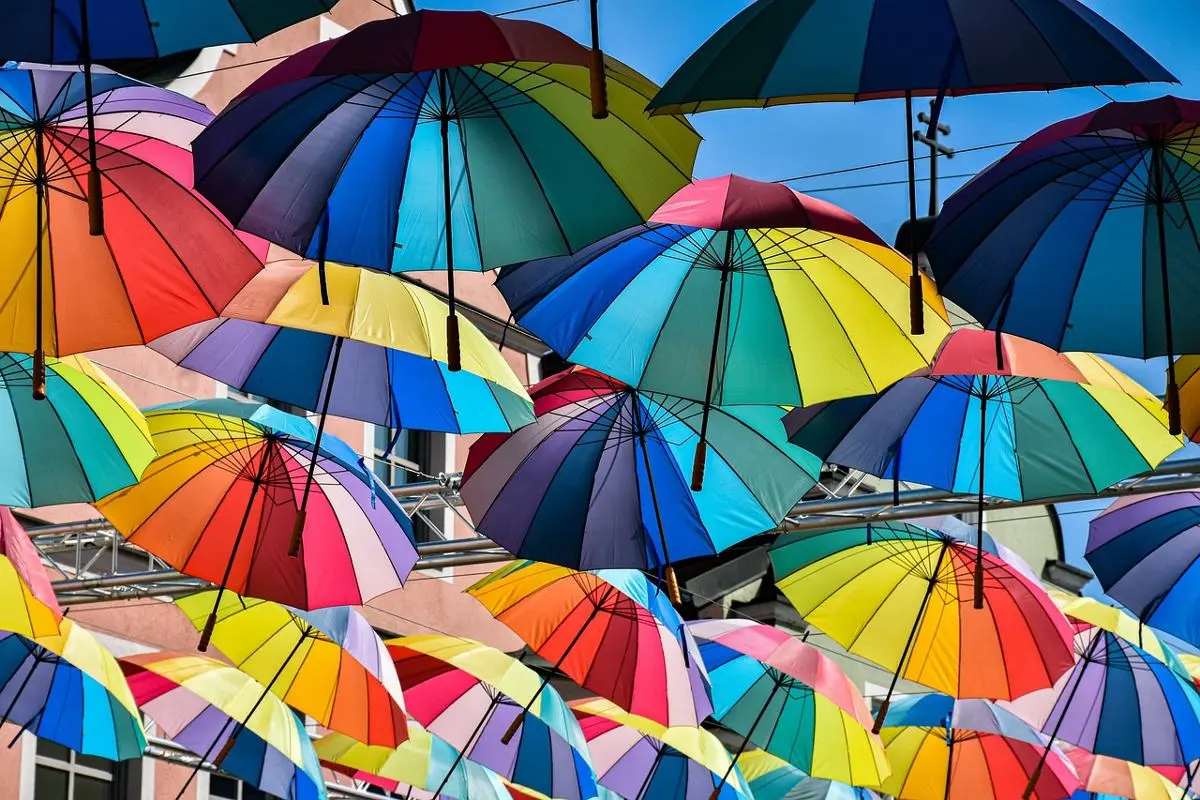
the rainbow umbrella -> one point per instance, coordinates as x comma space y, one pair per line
224, 716
220, 503
86, 440
599, 480
1104, 777
1083, 237
637, 758
166, 259
65, 687
737, 292
898, 594
791, 700
1144, 552
329, 664
413, 769
470, 695
946, 749
997, 416
613, 632
21, 560
440, 139
772, 778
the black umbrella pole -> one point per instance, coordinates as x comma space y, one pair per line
949, 764
453, 348
1036, 775
668, 571
599, 82
302, 511
746, 741
1174, 418
39, 351
702, 444
916, 310
95, 190
979, 510
458, 759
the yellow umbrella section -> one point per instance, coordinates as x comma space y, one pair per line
1117, 622
20, 611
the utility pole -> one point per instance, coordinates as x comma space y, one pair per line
934, 128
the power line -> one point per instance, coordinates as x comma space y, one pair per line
879, 184
534, 8
892, 163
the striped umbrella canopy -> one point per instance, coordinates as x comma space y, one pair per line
471, 695
22, 575
901, 595
222, 500
67, 688
329, 664
1104, 777
613, 632
599, 481
637, 758
225, 716
772, 778
414, 769
1187, 368
946, 749
1144, 552
85, 440
789, 699
441, 140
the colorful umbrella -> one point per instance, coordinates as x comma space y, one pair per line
88, 440
772, 778
440, 139
470, 694
225, 717
613, 632
1104, 777
413, 769
599, 481
20, 559
791, 700
778, 52
897, 594
221, 500
737, 292
1186, 370
946, 749
166, 260
1036, 425
328, 664
638, 758
1082, 237
65, 687
1144, 552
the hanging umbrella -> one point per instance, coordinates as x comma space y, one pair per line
413, 769
946, 749
1104, 777
1186, 369
598, 481
1092, 213
1089, 611
791, 700
66, 688
88, 440
639, 759
20, 558
166, 259
328, 664
225, 717
469, 694
778, 52
897, 594
612, 631
737, 292
220, 503
772, 778
1144, 551
1035, 425
440, 139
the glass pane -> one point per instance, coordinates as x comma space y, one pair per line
221, 787
92, 789
251, 793
50, 784
50, 749
94, 763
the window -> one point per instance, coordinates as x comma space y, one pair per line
61, 774
415, 457
221, 787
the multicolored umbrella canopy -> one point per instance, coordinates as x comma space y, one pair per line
1081, 237
20, 559
441, 140
613, 632
329, 664
1144, 551
600, 480
86, 440
470, 695
637, 758
900, 595
414, 769
777, 52
1186, 370
372, 354
772, 778
1104, 777
227, 718
791, 700
67, 688
221, 500
946, 749
166, 260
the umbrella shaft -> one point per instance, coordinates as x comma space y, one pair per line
726, 268
979, 520
746, 741
662, 534
1163, 263
916, 309
301, 513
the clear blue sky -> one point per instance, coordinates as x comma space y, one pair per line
655, 36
